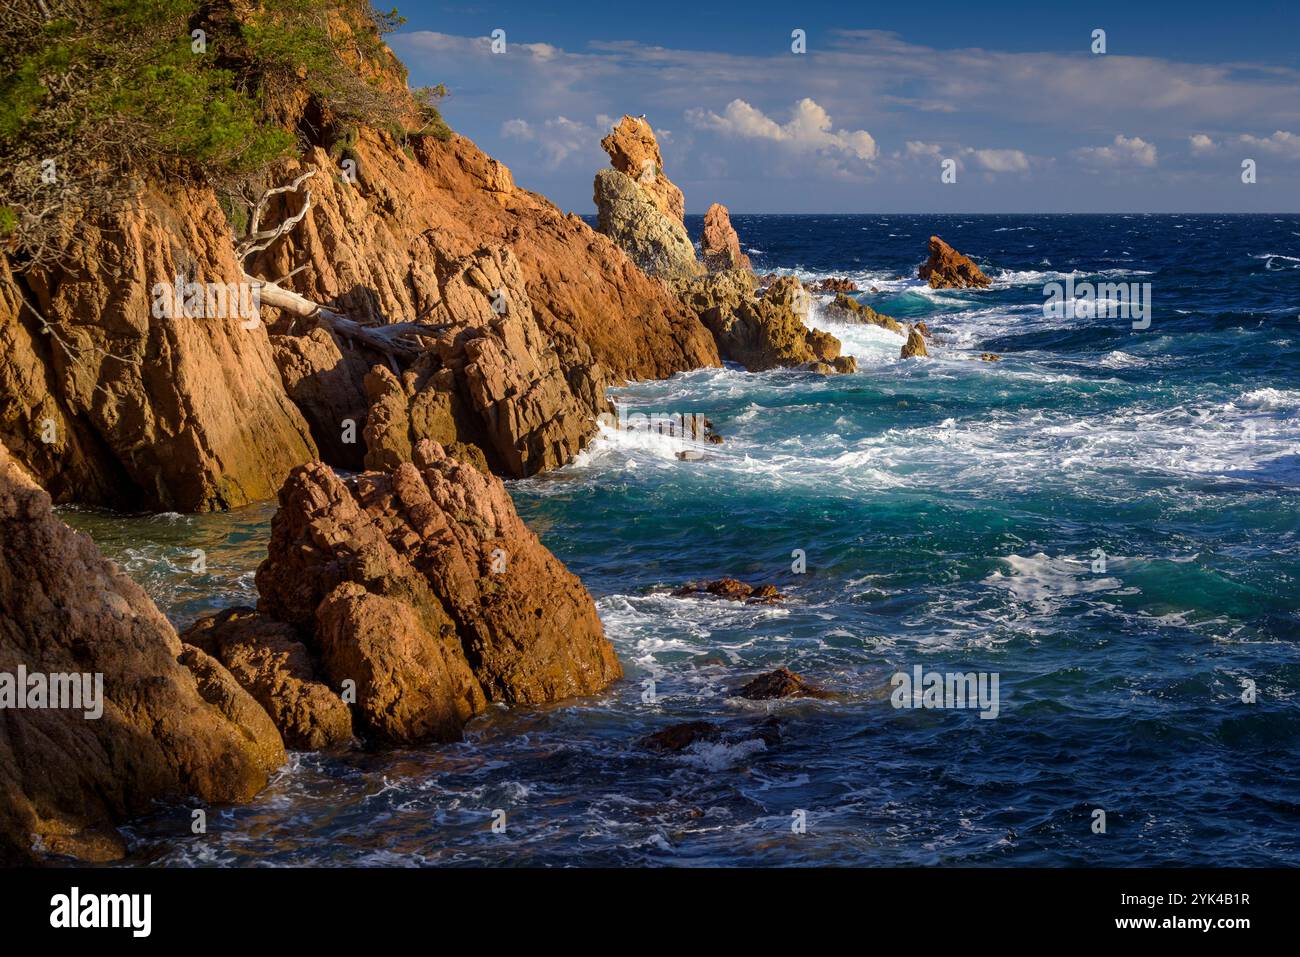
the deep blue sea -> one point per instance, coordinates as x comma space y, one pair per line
1106, 518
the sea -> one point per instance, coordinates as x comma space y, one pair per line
1104, 519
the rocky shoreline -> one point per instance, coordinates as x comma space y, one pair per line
434, 328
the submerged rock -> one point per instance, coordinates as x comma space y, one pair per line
781, 683
679, 737
733, 589
166, 731
719, 244
948, 269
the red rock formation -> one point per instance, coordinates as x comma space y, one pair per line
165, 731
191, 414
441, 540
719, 244
634, 152
948, 269
273, 666
170, 413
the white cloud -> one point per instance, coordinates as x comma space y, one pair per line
915, 149
1202, 144
558, 138
809, 129
1281, 143
1123, 151
999, 161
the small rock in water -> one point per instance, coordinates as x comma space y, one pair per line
679, 737
733, 589
834, 285
990, 357
782, 683
914, 347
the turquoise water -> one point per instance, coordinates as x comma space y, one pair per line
1106, 519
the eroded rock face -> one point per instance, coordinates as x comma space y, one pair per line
719, 244
272, 665
628, 215
413, 682
324, 378
464, 582
492, 387
382, 246
165, 731
169, 412
634, 152
948, 269
764, 331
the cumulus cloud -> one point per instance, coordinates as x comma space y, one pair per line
809, 129
558, 138
1123, 151
1281, 143
999, 161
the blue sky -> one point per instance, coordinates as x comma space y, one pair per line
1011, 93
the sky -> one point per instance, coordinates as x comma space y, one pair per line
1009, 98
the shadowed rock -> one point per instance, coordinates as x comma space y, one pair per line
165, 732
781, 683
273, 666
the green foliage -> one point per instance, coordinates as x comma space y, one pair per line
110, 89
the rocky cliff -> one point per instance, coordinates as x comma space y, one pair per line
523, 315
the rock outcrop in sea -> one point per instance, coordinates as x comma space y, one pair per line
719, 244
948, 269
423, 587
914, 347
760, 332
766, 331
639, 208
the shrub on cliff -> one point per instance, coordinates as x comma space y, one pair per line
100, 92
